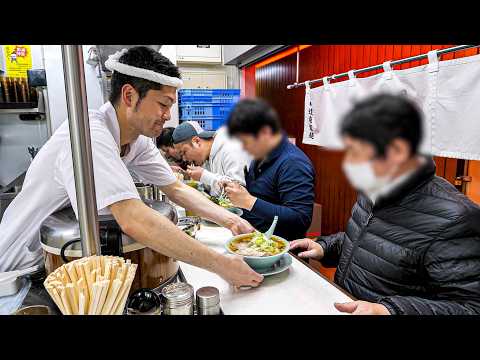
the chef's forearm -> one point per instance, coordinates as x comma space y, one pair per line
193, 200
151, 229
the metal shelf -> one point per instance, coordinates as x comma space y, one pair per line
22, 111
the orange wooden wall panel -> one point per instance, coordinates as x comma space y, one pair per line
473, 188
248, 81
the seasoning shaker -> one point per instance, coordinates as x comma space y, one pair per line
208, 301
178, 299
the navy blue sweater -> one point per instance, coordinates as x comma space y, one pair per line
283, 185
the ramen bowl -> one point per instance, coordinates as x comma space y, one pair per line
258, 262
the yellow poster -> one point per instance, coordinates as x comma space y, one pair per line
18, 59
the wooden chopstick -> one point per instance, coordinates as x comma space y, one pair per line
92, 285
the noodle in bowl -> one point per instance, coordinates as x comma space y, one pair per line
254, 256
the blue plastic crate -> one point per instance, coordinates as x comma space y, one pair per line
195, 111
209, 123
209, 99
209, 92
213, 96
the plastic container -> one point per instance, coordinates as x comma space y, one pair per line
208, 96
209, 92
200, 111
209, 123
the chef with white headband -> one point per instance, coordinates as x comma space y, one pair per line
144, 87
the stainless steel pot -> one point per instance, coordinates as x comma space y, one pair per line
62, 226
60, 240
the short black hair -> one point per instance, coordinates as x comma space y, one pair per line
250, 115
145, 58
381, 118
166, 137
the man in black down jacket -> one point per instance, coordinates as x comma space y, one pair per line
412, 244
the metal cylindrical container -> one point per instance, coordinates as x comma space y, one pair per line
178, 299
145, 191
208, 301
158, 194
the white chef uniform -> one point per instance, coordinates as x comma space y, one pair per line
49, 184
227, 159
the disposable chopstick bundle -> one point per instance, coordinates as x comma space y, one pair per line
93, 285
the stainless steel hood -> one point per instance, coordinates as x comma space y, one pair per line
104, 51
243, 55
99, 54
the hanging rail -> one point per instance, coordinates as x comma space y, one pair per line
380, 66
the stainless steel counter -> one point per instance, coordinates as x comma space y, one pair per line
296, 291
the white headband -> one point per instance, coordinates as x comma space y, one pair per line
113, 64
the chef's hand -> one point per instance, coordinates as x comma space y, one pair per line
238, 273
177, 169
239, 196
195, 172
311, 249
362, 308
240, 226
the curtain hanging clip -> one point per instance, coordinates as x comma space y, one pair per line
433, 61
351, 77
387, 68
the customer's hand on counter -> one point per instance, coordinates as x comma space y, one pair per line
311, 249
362, 308
236, 271
239, 196
195, 172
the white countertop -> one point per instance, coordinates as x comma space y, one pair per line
296, 291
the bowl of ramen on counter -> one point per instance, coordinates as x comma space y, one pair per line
258, 252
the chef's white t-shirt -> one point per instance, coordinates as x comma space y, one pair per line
50, 185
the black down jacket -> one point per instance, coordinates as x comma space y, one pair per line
416, 251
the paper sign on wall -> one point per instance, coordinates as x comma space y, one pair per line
18, 59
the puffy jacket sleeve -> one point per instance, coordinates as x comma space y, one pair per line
332, 247
452, 271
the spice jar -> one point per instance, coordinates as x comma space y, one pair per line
2, 97
208, 301
178, 299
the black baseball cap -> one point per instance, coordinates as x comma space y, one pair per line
189, 129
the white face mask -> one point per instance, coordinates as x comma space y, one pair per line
363, 178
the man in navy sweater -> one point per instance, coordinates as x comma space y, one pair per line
280, 179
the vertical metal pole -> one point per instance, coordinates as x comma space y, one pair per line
81, 148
